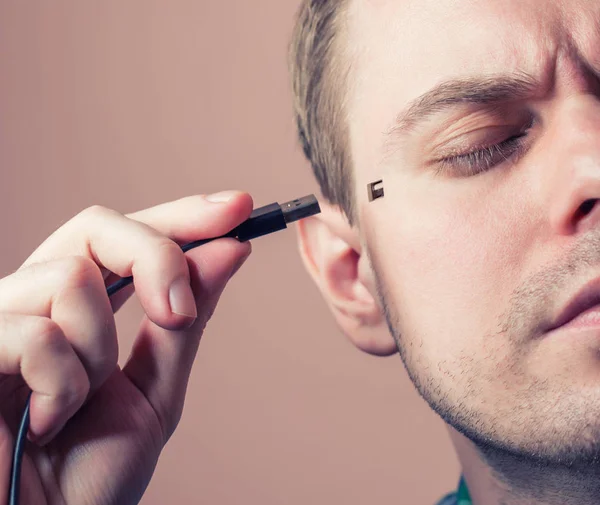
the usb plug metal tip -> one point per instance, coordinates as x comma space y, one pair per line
300, 208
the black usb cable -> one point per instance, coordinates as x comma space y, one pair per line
262, 221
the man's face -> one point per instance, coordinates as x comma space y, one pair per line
489, 224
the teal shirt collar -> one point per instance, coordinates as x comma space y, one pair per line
462, 495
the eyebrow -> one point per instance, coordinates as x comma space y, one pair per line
489, 90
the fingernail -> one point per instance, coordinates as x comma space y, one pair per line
182, 299
40, 439
222, 197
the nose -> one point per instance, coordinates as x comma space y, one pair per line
575, 193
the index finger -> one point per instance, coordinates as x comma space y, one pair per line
185, 220
189, 219
142, 245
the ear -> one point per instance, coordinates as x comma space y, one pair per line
331, 251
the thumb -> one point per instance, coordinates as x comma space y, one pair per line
161, 360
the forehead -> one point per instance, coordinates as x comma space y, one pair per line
402, 48
419, 31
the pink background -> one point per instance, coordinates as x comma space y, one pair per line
132, 103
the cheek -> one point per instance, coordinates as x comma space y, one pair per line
450, 264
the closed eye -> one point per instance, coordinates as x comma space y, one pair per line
483, 159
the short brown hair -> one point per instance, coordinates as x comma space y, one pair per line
319, 81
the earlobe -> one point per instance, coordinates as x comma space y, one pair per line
331, 251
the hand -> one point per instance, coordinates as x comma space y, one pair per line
97, 430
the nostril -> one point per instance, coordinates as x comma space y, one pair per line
586, 207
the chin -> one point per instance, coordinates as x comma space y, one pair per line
566, 434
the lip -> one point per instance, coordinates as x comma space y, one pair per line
586, 298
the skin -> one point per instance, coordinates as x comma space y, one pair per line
58, 338
463, 266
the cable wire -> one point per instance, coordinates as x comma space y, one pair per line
15, 473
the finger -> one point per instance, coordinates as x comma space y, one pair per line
127, 246
197, 217
71, 292
167, 218
130, 248
161, 361
37, 348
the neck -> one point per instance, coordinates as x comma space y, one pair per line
497, 478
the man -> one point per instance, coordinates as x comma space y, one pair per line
482, 258
480, 263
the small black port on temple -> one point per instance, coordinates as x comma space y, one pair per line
374, 192
300, 208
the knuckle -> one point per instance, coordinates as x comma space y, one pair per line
196, 206
48, 334
74, 385
90, 215
79, 270
78, 389
169, 251
74, 390
196, 200
104, 362
93, 212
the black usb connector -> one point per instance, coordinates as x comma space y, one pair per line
275, 217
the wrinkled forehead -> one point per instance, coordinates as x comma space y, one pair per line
428, 40
402, 48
